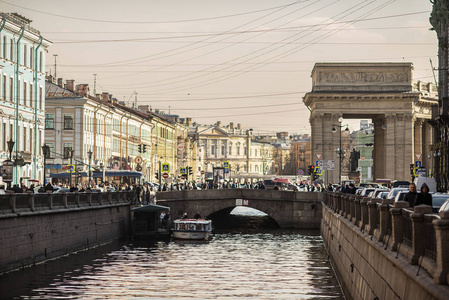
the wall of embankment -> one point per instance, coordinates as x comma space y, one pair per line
37, 227
377, 255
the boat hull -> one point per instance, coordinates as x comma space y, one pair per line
191, 235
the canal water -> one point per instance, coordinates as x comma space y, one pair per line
275, 264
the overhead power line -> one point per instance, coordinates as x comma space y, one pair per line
151, 22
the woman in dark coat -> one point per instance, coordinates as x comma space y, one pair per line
424, 197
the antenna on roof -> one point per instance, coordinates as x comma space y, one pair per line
95, 85
55, 55
433, 71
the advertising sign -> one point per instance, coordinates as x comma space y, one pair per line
8, 166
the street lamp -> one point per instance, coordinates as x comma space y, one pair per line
89, 154
71, 169
339, 150
45, 152
10, 147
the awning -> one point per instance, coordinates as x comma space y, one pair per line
98, 174
281, 180
151, 207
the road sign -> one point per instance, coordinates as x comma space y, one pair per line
418, 156
183, 177
70, 169
182, 171
318, 156
181, 146
318, 171
138, 168
317, 163
138, 160
418, 164
226, 164
300, 172
166, 168
165, 175
362, 158
226, 170
327, 164
202, 172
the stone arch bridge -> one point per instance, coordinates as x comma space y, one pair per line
288, 208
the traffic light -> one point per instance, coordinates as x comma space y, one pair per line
309, 170
412, 170
190, 171
144, 148
157, 175
139, 148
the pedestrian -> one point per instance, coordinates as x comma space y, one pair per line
351, 189
412, 195
424, 197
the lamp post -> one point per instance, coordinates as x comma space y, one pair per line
71, 169
9, 166
45, 151
89, 154
339, 150
10, 148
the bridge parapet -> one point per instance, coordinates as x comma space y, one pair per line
12, 204
418, 235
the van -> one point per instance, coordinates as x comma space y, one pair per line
430, 181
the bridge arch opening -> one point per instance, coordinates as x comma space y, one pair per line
238, 218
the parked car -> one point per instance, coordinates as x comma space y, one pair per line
398, 183
438, 200
394, 191
382, 195
429, 181
365, 192
400, 196
444, 206
378, 191
60, 190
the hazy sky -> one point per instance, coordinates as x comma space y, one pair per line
245, 62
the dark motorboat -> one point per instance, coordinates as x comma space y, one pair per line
148, 221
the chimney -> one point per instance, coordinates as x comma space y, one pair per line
97, 96
231, 125
105, 96
60, 82
218, 123
194, 124
115, 100
189, 122
70, 84
143, 108
239, 126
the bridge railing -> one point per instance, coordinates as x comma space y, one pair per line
416, 233
12, 203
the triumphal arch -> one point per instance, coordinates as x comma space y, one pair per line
399, 107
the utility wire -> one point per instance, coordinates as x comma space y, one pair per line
150, 22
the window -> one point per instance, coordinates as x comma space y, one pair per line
67, 148
31, 57
68, 121
238, 150
230, 152
11, 89
212, 150
4, 47
222, 150
31, 96
51, 150
11, 50
40, 61
49, 121
40, 98
25, 54
24, 100
4, 87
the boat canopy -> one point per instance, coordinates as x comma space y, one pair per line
151, 207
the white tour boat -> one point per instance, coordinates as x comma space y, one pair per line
192, 229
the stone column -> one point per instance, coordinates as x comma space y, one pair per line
384, 215
389, 150
397, 231
379, 147
372, 216
408, 153
418, 144
442, 239
418, 247
364, 218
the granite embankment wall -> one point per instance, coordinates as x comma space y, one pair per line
37, 227
384, 250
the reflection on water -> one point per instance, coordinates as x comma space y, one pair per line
277, 264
